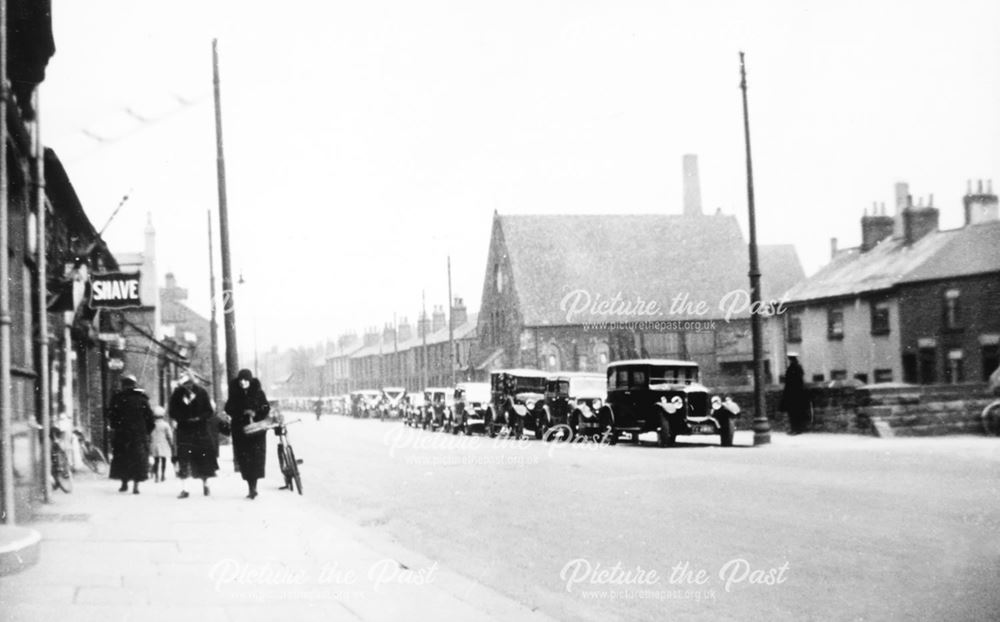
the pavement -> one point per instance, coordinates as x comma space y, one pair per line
113, 556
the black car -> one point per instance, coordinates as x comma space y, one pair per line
663, 396
472, 400
514, 393
572, 399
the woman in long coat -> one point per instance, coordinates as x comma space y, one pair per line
197, 452
131, 418
247, 404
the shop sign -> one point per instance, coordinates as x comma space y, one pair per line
116, 364
114, 290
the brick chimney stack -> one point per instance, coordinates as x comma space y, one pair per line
875, 227
980, 206
692, 186
404, 331
438, 319
458, 313
371, 337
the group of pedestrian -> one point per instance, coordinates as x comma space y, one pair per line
141, 432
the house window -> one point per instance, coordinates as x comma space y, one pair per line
838, 374
793, 327
818, 377
883, 375
581, 362
861, 377
953, 371
952, 309
880, 318
835, 323
991, 360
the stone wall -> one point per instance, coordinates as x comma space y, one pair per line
909, 410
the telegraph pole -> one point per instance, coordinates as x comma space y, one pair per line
214, 322
423, 329
44, 391
761, 426
451, 327
6, 459
229, 310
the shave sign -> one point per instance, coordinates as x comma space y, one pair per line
115, 290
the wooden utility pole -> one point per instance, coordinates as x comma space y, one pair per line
761, 426
451, 327
229, 310
423, 329
214, 325
44, 393
6, 459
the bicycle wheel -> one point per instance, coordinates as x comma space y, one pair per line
991, 419
293, 468
62, 474
94, 459
283, 465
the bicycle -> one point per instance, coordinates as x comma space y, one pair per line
287, 461
91, 454
991, 418
60, 469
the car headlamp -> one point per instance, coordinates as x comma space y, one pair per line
530, 404
597, 403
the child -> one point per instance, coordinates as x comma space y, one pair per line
162, 440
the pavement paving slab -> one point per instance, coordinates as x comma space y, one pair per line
113, 556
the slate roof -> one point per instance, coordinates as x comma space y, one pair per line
971, 250
439, 336
645, 257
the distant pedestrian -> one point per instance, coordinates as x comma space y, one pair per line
197, 454
131, 422
794, 399
162, 440
247, 404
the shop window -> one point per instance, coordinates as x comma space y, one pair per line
954, 371
952, 310
818, 378
880, 318
861, 377
834, 323
883, 375
838, 374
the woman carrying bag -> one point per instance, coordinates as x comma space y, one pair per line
248, 404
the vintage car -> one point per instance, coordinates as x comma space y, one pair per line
471, 400
437, 408
365, 403
663, 396
392, 402
572, 399
514, 394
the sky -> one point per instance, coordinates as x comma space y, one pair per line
366, 142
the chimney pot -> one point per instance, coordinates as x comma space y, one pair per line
833, 247
989, 186
968, 187
980, 187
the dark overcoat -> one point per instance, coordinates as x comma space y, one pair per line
245, 407
131, 418
193, 412
795, 399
